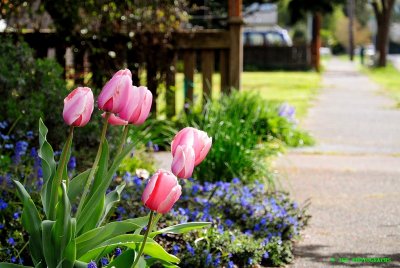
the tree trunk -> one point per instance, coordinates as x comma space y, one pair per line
316, 41
383, 16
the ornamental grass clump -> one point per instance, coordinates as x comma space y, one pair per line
247, 130
72, 230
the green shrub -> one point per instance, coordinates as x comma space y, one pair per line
246, 130
30, 89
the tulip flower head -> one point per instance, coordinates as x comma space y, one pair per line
114, 95
183, 162
161, 192
78, 107
197, 139
138, 107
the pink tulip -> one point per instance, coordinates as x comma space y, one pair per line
197, 139
183, 162
161, 192
114, 95
115, 120
139, 104
78, 107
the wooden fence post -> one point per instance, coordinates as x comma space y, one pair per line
236, 48
224, 70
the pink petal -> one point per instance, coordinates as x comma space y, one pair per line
149, 188
184, 136
171, 199
115, 120
74, 105
145, 109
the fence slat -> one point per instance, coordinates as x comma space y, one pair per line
170, 84
224, 70
207, 69
189, 64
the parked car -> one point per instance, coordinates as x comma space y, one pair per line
272, 37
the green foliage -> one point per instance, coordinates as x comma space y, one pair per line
388, 77
139, 159
250, 225
245, 129
29, 88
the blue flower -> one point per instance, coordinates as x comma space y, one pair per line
248, 232
230, 264
156, 148
250, 261
29, 134
3, 124
236, 180
208, 259
9, 146
217, 260
190, 249
137, 181
13, 259
195, 189
11, 241
3, 204
1, 226
118, 252
266, 255
16, 215
72, 163
104, 261
175, 249
229, 223
92, 264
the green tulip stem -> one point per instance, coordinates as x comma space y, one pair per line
123, 139
146, 234
64, 157
95, 164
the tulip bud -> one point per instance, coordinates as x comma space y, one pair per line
197, 139
161, 192
78, 107
138, 107
183, 162
114, 95
115, 120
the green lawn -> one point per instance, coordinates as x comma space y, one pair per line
296, 88
388, 77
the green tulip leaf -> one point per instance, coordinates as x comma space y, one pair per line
126, 259
111, 198
70, 249
77, 184
181, 228
48, 166
49, 249
152, 261
102, 167
131, 241
12, 265
32, 223
80, 264
91, 206
92, 238
62, 229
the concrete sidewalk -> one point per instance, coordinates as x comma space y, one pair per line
351, 177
